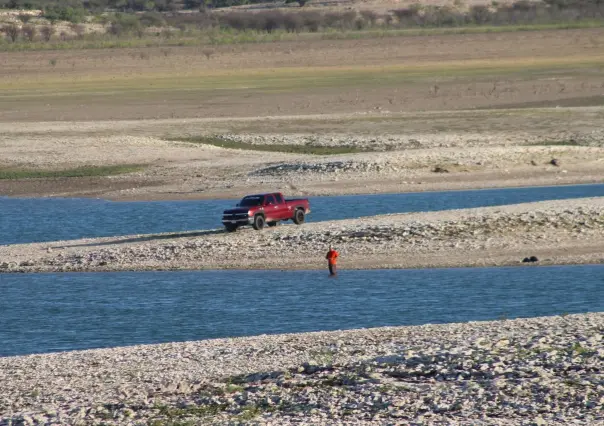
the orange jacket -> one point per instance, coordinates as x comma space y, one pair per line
332, 257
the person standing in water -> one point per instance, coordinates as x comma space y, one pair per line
332, 258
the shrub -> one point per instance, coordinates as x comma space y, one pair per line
11, 31
480, 14
408, 13
139, 31
78, 29
201, 20
101, 19
293, 22
348, 18
448, 17
152, 19
561, 4
359, 24
369, 16
29, 32
404, 14
387, 19
192, 4
123, 23
523, 5
166, 5
331, 19
24, 17
64, 13
272, 21
312, 21
517, 13
261, 21
47, 32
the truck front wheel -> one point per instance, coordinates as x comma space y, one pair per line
258, 222
299, 217
231, 228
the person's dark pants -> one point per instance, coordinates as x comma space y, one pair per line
332, 269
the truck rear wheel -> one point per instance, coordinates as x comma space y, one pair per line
258, 222
299, 217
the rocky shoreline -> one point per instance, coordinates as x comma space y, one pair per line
556, 232
537, 371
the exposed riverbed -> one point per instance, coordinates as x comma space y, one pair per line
555, 232
539, 371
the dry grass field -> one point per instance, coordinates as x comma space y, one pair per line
471, 95
447, 72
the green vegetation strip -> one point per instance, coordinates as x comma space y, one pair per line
292, 149
556, 143
85, 171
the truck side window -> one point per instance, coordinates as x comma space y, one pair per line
279, 198
270, 199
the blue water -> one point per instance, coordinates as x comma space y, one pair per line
51, 219
56, 312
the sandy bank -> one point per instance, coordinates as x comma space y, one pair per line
557, 232
405, 153
539, 371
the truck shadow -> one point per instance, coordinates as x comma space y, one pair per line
152, 237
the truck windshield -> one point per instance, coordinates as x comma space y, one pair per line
250, 201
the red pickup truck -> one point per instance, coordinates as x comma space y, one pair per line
260, 209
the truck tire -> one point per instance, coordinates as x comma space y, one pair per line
258, 222
298, 217
231, 228
271, 224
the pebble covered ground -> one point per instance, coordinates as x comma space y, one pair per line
537, 371
407, 156
463, 237
415, 140
400, 157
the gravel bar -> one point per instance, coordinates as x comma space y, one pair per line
536, 371
556, 232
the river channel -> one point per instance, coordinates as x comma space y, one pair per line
57, 312
25, 220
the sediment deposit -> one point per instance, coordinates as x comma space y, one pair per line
538, 371
556, 232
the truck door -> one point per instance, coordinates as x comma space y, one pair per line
271, 208
284, 212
